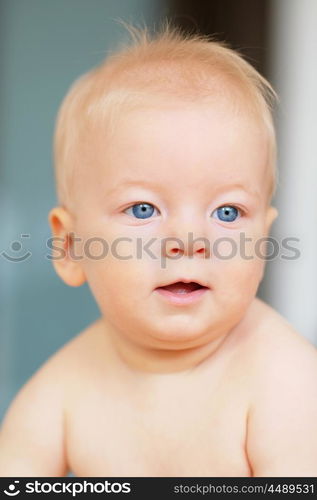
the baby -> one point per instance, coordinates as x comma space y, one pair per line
165, 169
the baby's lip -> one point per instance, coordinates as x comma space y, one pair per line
194, 284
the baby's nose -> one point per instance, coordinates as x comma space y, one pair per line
190, 246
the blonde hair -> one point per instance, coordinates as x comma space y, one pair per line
167, 64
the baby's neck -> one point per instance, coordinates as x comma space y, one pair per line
141, 359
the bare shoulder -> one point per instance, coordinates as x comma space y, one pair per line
49, 380
272, 339
282, 438
282, 360
32, 433
82, 350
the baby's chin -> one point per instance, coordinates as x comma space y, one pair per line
179, 332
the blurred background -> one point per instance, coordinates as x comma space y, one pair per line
44, 46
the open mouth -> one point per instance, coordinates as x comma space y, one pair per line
182, 288
182, 293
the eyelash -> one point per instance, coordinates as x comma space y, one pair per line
239, 209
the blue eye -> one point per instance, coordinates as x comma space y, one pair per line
141, 210
227, 213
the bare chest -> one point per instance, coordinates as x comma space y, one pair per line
181, 433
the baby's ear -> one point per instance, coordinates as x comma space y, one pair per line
67, 267
271, 215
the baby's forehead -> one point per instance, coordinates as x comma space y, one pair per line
137, 109
147, 117
157, 144
140, 93
110, 168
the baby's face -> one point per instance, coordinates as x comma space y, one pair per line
169, 176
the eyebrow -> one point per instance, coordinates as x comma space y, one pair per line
153, 185
241, 187
133, 182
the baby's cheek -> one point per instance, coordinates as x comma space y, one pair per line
120, 288
238, 267
120, 272
245, 245
246, 277
236, 287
